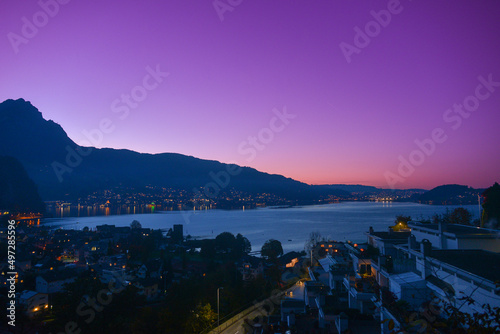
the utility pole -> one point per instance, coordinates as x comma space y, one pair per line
218, 313
479, 210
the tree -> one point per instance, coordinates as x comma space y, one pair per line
402, 219
225, 242
314, 238
271, 249
460, 216
437, 315
207, 248
135, 225
201, 318
491, 207
243, 245
401, 222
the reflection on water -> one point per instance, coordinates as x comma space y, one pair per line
66, 211
342, 221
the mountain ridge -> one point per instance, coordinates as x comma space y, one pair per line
63, 169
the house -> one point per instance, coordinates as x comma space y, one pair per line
118, 261
330, 313
151, 269
291, 306
453, 274
250, 267
54, 281
385, 241
337, 268
416, 270
290, 259
361, 283
116, 275
33, 302
455, 236
148, 287
47, 264
314, 294
23, 262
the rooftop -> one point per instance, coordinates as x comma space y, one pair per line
406, 278
59, 275
27, 294
289, 303
391, 235
460, 231
316, 287
446, 287
478, 262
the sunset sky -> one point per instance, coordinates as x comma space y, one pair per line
360, 93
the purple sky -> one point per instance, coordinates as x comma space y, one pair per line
353, 120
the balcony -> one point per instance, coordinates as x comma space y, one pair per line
362, 289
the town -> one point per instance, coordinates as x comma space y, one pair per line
414, 275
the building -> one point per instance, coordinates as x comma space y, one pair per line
151, 269
291, 307
455, 236
54, 280
148, 287
419, 276
456, 273
250, 267
385, 241
33, 302
314, 294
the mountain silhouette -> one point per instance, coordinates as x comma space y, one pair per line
18, 193
451, 194
64, 170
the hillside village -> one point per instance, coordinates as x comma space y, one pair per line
414, 275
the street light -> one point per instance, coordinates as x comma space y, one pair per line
218, 314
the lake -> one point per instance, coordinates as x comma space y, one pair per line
292, 226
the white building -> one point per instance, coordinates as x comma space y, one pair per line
33, 301
54, 281
455, 236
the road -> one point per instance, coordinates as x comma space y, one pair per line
296, 292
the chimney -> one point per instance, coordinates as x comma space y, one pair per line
412, 242
425, 247
390, 230
371, 230
442, 226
